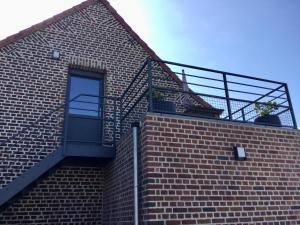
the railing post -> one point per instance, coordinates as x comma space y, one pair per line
290, 106
115, 121
149, 73
66, 126
121, 119
227, 96
243, 115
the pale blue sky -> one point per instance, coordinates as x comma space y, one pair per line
254, 37
259, 37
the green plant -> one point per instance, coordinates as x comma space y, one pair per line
158, 95
264, 109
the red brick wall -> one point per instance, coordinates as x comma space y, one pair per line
190, 175
32, 84
118, 185
71, 195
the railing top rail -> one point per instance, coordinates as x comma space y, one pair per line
218, 71
229, 93
96, 96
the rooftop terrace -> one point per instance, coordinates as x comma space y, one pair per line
175, 88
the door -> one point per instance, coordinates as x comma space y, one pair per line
84, 122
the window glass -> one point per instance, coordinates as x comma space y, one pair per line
84, 96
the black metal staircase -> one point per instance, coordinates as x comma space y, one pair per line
42, 145
31, 175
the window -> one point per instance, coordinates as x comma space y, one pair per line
85, 96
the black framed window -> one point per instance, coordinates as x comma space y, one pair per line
85, 96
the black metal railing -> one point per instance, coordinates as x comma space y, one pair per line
47, 133
175, 88
100, 108
134, 101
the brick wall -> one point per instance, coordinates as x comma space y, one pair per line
190, 175
118, 186
33, 84
71, 195
80, 195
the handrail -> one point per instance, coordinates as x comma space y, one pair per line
140, 70
227, 102
216, 71
135, 92
229, 82
41, 118
27, 127
136, 102
30, 136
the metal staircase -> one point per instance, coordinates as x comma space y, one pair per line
30, 153
31, 175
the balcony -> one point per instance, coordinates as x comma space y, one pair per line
180, 89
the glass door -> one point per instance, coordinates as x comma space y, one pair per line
85, 109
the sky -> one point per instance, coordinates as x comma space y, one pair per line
258, 38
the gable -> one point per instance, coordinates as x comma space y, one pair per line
61, 24
88, 27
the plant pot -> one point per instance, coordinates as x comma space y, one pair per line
268, 120
163, 106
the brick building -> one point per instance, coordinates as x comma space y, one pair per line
72, 86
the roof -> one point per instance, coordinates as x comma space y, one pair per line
15, 37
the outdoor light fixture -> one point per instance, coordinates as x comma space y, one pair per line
56, 54
239, 153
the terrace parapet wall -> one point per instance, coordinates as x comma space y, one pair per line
190, 175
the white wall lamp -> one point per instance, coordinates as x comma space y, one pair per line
239, 153
56, 54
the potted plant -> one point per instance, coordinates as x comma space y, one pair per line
264, 110
160, 103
